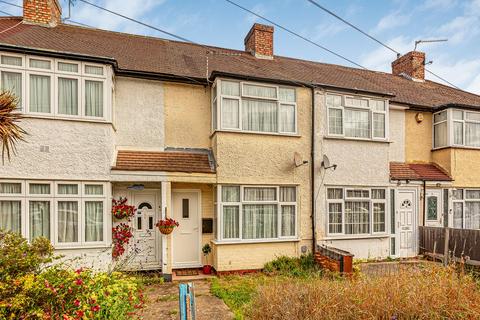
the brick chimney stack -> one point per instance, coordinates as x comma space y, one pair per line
411, 64
259, 41
42, 12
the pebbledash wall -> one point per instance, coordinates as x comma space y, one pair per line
359, 164
263, 159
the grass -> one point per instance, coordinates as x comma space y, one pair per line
295, 289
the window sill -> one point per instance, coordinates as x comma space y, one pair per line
353, 237
355, 139
257, 241
76, 247
292, 135
455, 147
48, 117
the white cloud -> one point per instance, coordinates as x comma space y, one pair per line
327, 29
461, 28
438, 4
392, 20
381, 58
259, 9
474, 85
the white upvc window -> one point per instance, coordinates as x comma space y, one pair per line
440, 129
466, 208
256, 213
253, 107
57, 88
69, 213
357, 117
455, 127
356, 211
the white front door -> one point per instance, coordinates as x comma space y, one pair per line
186, 238
145, 244
406, 215
434, 208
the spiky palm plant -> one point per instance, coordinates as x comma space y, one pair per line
10, 131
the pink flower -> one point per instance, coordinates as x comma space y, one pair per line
95, 308
76, 303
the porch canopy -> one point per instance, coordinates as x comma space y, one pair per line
418, 172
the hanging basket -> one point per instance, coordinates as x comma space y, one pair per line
166, 229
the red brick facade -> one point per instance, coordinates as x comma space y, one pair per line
411, 64
44, 12
259, 41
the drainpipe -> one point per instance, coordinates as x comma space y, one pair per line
314, 209
424, 203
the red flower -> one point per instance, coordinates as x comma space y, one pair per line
78, 271
95, 308
79, 282
76, 303
80, 313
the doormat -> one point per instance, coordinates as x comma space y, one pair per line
186, 272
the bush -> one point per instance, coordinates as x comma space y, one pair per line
430, 293
304, 266
29, 292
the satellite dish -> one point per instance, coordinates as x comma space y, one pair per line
325, 161
297, 159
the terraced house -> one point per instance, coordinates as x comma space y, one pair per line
231, 144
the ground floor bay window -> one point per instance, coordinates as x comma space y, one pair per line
252, 213
466, 209
356, 211
70, 214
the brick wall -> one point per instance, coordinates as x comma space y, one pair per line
411, 64
259, 41
44, 12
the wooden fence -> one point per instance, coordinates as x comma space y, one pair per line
449, 243
334, 259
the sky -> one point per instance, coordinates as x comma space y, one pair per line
398, 23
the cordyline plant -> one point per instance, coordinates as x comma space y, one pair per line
10, 131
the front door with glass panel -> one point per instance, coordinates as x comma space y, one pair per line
406, 222
145, 243
186, 238
434, 216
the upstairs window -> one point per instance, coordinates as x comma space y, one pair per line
252, 107
357, 117
454, 127
54, 87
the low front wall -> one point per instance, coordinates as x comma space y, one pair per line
99, 259
371, 248
250, 256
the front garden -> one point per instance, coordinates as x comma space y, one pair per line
31, 289
295, 289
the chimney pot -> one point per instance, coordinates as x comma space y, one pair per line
42, 12
411, 64
259, 41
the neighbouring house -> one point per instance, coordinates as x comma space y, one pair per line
229, 143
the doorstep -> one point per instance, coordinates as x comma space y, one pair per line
199, 276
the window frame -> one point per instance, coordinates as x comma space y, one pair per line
220, 204
241, 97
371, 202
371, 112
463, 201
54, 197
55, 73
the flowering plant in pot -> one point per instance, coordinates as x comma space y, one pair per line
121, 210
166, 226
207, 269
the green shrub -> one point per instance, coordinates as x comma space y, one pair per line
304, 266
29, 292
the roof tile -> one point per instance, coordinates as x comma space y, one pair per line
418, 171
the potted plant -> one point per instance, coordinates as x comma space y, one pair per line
166, 226
207, 269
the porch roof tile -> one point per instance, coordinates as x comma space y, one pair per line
171, 160
418, 171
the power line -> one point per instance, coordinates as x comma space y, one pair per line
296, 34
373, 38
208, 49
12, 4
6, 13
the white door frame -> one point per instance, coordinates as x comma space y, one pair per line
199, 205
415, 203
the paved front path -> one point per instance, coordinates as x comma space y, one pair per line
162, 302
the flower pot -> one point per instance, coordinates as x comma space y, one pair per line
165, 229
207, 269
